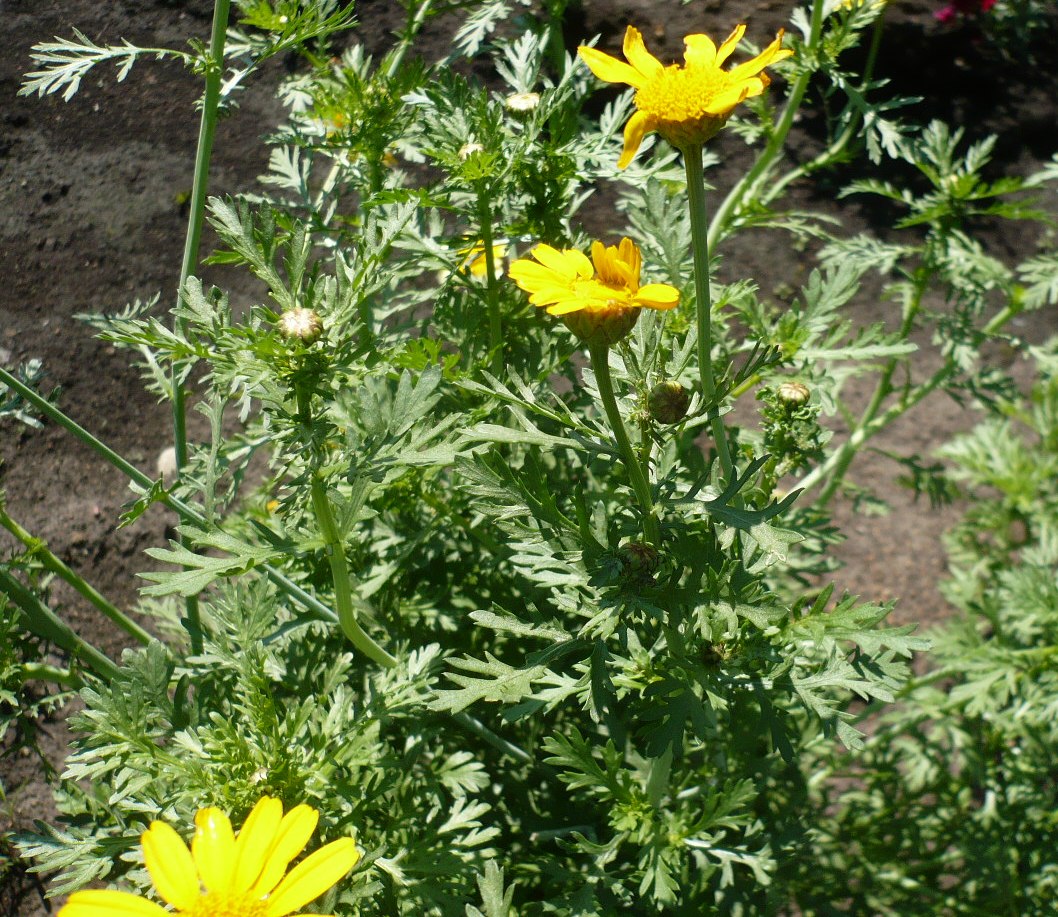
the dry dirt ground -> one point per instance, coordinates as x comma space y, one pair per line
91, 218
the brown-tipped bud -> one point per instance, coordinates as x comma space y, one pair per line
522, 104
638, 558
303, 325
794, 394
668, 402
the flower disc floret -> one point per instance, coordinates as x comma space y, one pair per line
687, 104
224, 875
600, 299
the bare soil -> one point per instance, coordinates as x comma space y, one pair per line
91, 218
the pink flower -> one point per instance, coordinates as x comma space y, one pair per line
956, 8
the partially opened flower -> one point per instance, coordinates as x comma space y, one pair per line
686, 104
599, 302
227, 876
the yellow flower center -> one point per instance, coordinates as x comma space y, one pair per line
680, 95
226, 904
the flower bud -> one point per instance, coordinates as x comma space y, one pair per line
638, 558
668, 402
522, 104
303, 325
793, 394
469, 149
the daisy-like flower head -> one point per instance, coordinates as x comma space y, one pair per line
599, 300
686, 104
227, 876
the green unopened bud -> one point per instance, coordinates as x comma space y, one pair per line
303, 325
638, 558
794, 394
668, 402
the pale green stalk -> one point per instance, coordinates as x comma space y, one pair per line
692, 157
50, 562
214, 67
600, 361
47, 625
871, 422
745, 185
187, 512
343, 597
492, 287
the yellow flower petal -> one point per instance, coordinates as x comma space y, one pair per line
294, 832
730, 43
569, 264
564, 308
637, 54
609, 68
97, 903
774, 52
699, 51
254, 842
170, 864
638, 126
213, 848
313, 876
658, 296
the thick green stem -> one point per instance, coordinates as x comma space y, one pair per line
52, 563
742, 189
214, 70
47, 625
492, 286
692, 157
600, 361
343, 596
187, 512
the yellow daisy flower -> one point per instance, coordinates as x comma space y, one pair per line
686, 104
599, 302
227, 876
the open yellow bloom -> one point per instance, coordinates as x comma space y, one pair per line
686, 104
599, 302
227, 876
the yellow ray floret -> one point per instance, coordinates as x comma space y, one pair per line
600, 299
225, 874
686, 104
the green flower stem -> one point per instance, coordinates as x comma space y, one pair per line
40, 671
491, 286
692, 157
214, 67
852, 131
747, 184
871, 422
188, 513
343, 597
600, 361
47, 625
52, 563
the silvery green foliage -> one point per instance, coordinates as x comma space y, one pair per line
578, 723
950, 809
